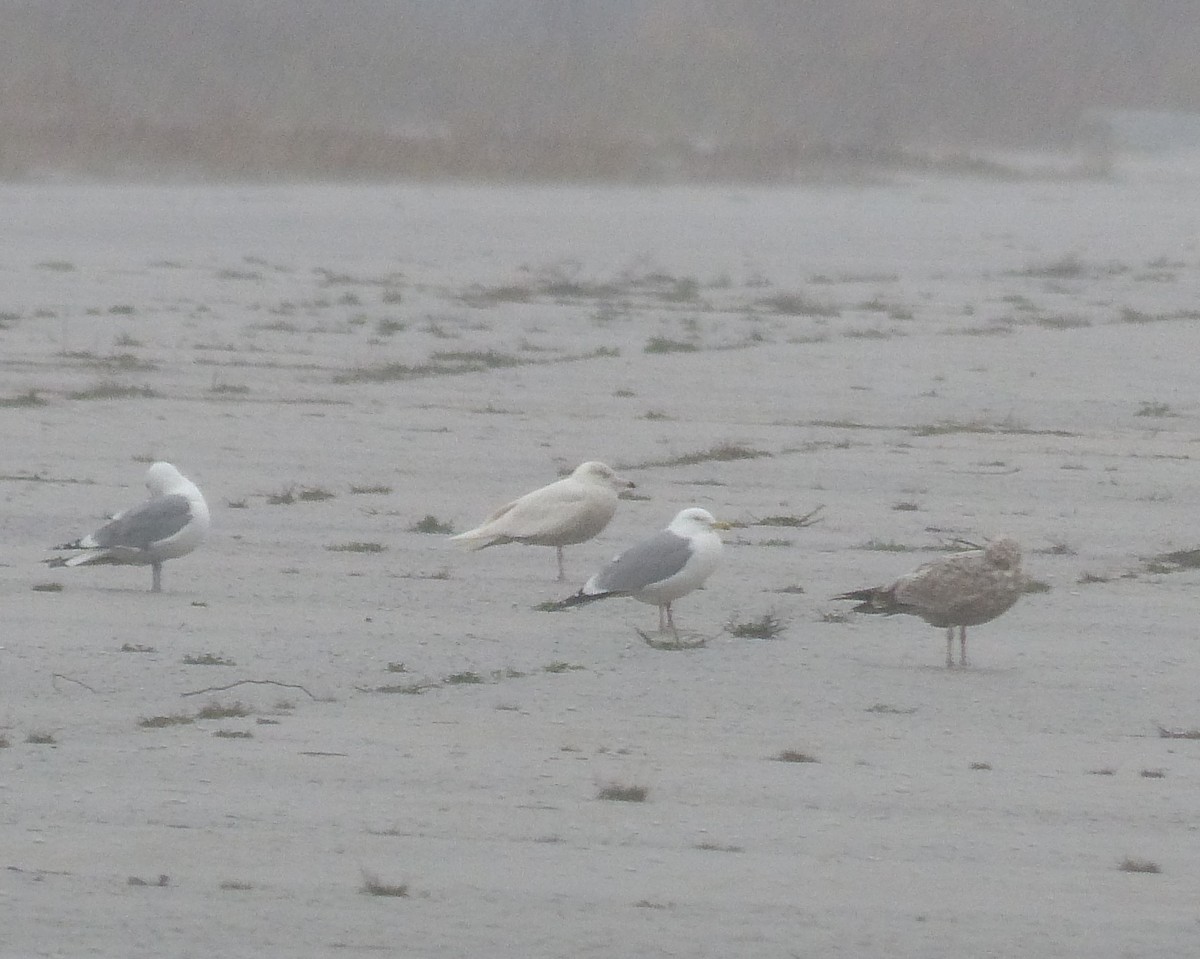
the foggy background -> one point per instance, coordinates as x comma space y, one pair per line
634, 89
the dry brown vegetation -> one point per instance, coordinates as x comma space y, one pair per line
601, 90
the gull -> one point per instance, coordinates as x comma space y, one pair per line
569, 511
662, 568
962, 590
170, 524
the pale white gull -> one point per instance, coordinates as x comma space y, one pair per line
662, 568
962, 590
569, 511
170, 524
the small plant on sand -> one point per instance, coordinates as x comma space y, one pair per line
215, 710
465, 678
30, 398
162, 722
619, 792
314, 494
722, 452
887, 546
1165, 733
558, 666
798, 304
233, 734
372, 489
766, 626
1154, 409
207, 659
790, 521
47, 587
111, 390
372, 885
663, 344
356, 547
430, 524
285, 497
1130, 864
794, 756
41, 737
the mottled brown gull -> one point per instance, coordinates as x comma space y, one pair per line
962, 590
662, 568
569, 511
170, 524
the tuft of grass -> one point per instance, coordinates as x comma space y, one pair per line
111, 390
797, 304
1086, 578
618, 792
5, 742
40, 737
1065, 268
161, 722
1153, 774
980, 767
430, 524
215, 710
137, 648
1165, 733
1104, 771
233, 734
1035, 585
465, 678
766, 626
1131, 864
1006, 427
709, 846
663, 344
229, 389
314, 494
558, 666
906, 506
792, 522
57, 266
356, 547
364, 490
722, 452
207, 659
373, 886
889, 710
404, 689
30, 398
285, 497
236, 504
234, 885
887, 546
794, 756
47, 587
1148, 408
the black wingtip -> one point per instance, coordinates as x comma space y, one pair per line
870, 600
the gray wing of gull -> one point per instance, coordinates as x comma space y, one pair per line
143, 526
650, 561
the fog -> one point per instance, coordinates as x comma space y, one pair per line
639, 89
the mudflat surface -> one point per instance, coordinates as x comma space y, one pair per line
339, 368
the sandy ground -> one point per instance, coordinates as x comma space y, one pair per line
923, 360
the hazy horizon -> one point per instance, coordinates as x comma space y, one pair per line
603, 86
